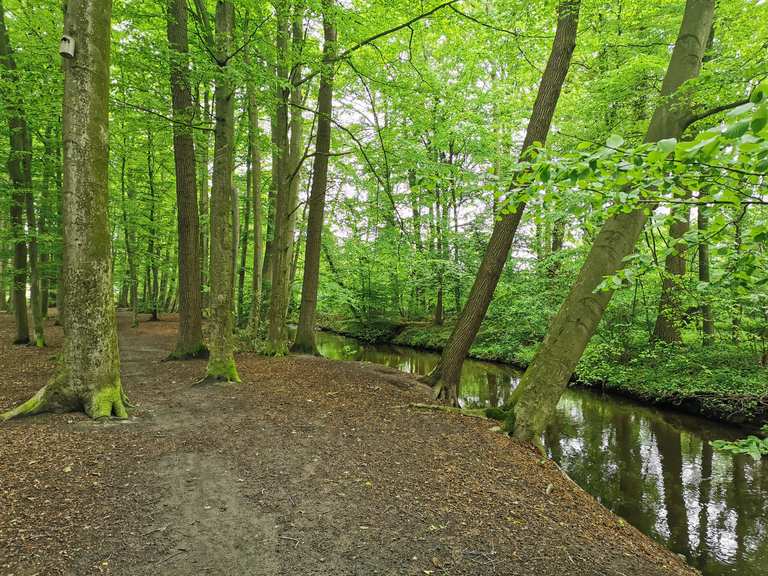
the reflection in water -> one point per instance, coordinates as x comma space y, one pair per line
654, 468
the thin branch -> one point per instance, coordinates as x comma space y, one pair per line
378, 35
712, 111
202, 127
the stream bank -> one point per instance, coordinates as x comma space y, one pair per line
722, 387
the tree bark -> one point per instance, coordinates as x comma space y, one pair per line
243, 244
258, 240
707, 321
305, 333
153, 244
90, 375
445, 376
667, 328
221, 362
544, 381
189, 340
277, 334
20, 172
34, 271
203, 143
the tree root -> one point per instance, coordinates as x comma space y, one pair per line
60, 396
471, 412
201, 352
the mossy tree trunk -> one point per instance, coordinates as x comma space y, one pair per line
189, 341
547, 377
305, 333
89, 378
221, 362
445, 377
20, 172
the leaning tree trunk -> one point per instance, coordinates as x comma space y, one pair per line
546, 378
277, 334
221, 362
89, 378
189, 341
305, 333
20, 171
445, 376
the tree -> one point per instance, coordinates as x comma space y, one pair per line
20, 171
545, 379
189, 341
221, 363
277, 336
445, 377
89, 378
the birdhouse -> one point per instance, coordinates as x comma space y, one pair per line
67, 47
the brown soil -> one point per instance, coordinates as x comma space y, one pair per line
309, 467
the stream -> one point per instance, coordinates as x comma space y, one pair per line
653, 467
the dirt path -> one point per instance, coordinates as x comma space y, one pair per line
309, 467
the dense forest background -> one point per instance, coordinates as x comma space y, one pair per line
430, 109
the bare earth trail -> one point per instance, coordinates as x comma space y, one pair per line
309, 467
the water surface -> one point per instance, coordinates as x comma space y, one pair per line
653, 467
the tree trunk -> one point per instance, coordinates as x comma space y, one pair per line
203, 143
221, 363
90, 375
34, 271
277, 335
667, 328
244, 245
707, 321
445, 376
305, 333
189, 340
20, 172
543, 383
153, 244
255, 175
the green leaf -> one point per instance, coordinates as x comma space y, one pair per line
614, 141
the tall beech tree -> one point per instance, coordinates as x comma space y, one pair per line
545, 379
277, 334
254, 175
20, 171
305, 332
221, 362
189, 341
89, 377
445, 377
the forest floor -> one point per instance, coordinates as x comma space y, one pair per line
309, 467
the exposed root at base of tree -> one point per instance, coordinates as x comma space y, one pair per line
471, 412
59, 395
201, 352
210, 380
446, 393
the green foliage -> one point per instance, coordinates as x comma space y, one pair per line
752, 445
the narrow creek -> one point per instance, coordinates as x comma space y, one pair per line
654, 468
